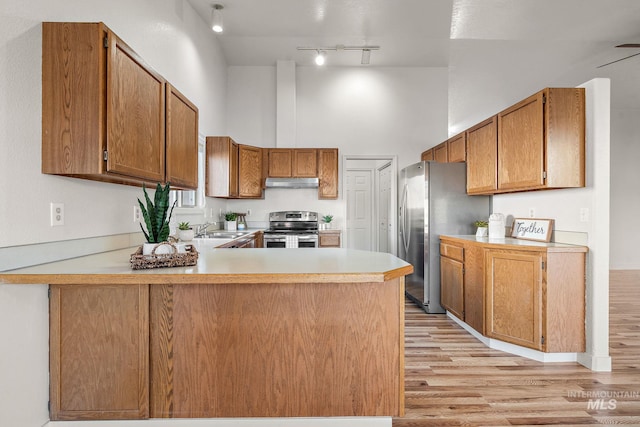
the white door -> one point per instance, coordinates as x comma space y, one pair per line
359, 209
384, 209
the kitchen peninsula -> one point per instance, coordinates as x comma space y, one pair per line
244, 333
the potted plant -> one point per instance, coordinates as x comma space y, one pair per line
482, 230
230, 221
156, 219
185, 232
327, 220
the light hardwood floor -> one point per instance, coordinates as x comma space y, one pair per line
452, 379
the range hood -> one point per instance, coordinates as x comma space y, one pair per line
292, 182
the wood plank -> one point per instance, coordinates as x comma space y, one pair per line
451, 379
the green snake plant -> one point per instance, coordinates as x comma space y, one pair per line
155, 214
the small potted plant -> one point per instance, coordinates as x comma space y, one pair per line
156, 215
482, 230
185, 232
327, 221
230, 223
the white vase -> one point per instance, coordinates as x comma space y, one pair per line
482, 232
230, 225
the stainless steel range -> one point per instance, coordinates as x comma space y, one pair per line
292, 229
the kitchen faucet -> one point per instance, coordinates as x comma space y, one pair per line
201, 230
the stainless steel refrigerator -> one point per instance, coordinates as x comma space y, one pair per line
433, 201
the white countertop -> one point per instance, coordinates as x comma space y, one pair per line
261, 265
511, 241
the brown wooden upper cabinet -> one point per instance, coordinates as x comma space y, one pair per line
450, 151
538, 143
181, 140
328, 173
482, 157
456, 148
292, 162
233, 170
440, 153
104, 111
427, 155
541, 141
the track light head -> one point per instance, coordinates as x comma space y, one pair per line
216, 18
320, 57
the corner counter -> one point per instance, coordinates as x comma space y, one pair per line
244, 333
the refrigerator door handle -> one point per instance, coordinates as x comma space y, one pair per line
403, 220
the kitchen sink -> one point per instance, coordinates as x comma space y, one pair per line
226, 234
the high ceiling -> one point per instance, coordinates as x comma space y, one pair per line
421, 32
487, 45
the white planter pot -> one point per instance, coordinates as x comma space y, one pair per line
482, 232
230, 225
186, 235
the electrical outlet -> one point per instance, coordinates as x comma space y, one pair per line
532, 212
584, 214
248, 212
56, 214
137, 213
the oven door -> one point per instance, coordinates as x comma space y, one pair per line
280, 241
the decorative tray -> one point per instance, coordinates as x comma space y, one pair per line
154, 260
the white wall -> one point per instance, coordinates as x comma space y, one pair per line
625, 193
167, 34
359, 110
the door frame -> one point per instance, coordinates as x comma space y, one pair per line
393, 159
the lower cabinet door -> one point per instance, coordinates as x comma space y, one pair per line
99, 352
514, 297
452, 286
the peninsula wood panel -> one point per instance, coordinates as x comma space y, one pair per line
265, 350
99, 352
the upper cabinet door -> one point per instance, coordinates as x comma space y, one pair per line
305, 163
135, 115
249, 172
482, 142
280, 161
521, 144
328, 173
456, 148
181, 140
440, 153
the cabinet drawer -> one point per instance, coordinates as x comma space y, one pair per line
451, 251
329, 240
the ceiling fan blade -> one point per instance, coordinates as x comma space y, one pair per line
629, 45
618, 60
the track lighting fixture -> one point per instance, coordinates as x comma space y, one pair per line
216, 18
321, 52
